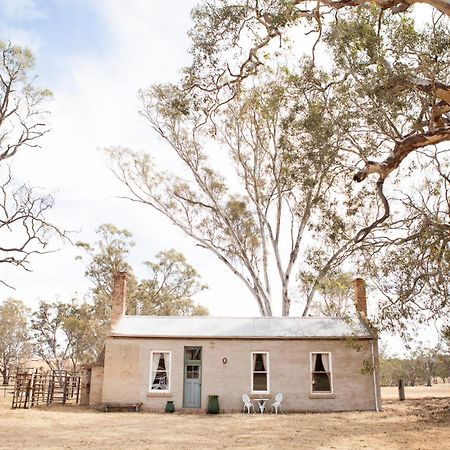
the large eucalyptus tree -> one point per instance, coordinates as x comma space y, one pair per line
302, 136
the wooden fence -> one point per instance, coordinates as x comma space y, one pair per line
32, 388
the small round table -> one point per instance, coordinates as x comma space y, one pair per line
261, 404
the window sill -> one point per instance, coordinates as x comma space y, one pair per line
318, 395
159, 394
254, 395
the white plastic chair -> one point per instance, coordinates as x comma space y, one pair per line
276, 405
248, 405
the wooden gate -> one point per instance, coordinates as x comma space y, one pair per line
22, 390
32, 388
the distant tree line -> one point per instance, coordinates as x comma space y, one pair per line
425, 366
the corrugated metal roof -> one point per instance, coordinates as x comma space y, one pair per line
239, 327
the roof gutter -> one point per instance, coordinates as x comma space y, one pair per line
215, 337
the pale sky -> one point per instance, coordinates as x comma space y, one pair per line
95, 55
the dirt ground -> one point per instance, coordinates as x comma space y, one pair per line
421, 423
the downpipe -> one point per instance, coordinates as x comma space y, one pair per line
374, 378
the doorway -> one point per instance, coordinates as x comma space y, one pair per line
192, 377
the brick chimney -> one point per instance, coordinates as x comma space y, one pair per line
119, 297
359, 286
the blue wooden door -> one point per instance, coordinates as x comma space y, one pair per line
192, 385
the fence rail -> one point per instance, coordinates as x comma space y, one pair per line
6, 389
32, 388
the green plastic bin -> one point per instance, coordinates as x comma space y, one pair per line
213, 404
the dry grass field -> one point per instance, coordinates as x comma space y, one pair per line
414, 392
421, 423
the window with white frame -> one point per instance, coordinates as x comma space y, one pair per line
321, 379
260, 372
160, 371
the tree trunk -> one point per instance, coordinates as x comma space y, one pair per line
286, 305
5, 375
401, 150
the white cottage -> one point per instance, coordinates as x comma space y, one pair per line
317, 363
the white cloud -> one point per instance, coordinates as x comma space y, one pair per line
95, 105
20, 10
20, 36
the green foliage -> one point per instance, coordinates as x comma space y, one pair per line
423, 366
15, 346
412, 269
22, 119
108, 255
387, 65
66, 333
335, 295
446, 336
84, 332
367, 368
47, 325
169, 289
221, 30
381, 57
74, 333
105, 257
296, 131
283, 143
